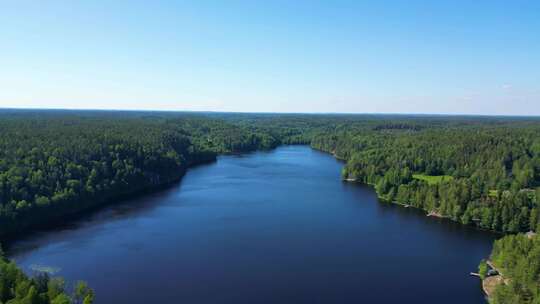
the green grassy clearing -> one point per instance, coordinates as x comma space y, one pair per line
433, 179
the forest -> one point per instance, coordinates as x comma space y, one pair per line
485, 175
481, 171
53, 165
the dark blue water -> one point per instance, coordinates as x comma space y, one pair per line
267, 227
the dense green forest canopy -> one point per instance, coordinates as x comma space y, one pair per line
485, 172
54, 163
482, 171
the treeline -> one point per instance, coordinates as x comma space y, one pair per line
17, 288
54, 163
492, 172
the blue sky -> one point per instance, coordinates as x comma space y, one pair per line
456, 57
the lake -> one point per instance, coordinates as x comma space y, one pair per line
265, 227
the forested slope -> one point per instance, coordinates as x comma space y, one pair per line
54, 164
482, 175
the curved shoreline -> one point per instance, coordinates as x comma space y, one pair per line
71, 215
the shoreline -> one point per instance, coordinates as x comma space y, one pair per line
490, 283
26, 230
72, 215
432, 213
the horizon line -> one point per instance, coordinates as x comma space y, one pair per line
264, 112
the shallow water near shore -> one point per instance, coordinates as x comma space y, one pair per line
266, 227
